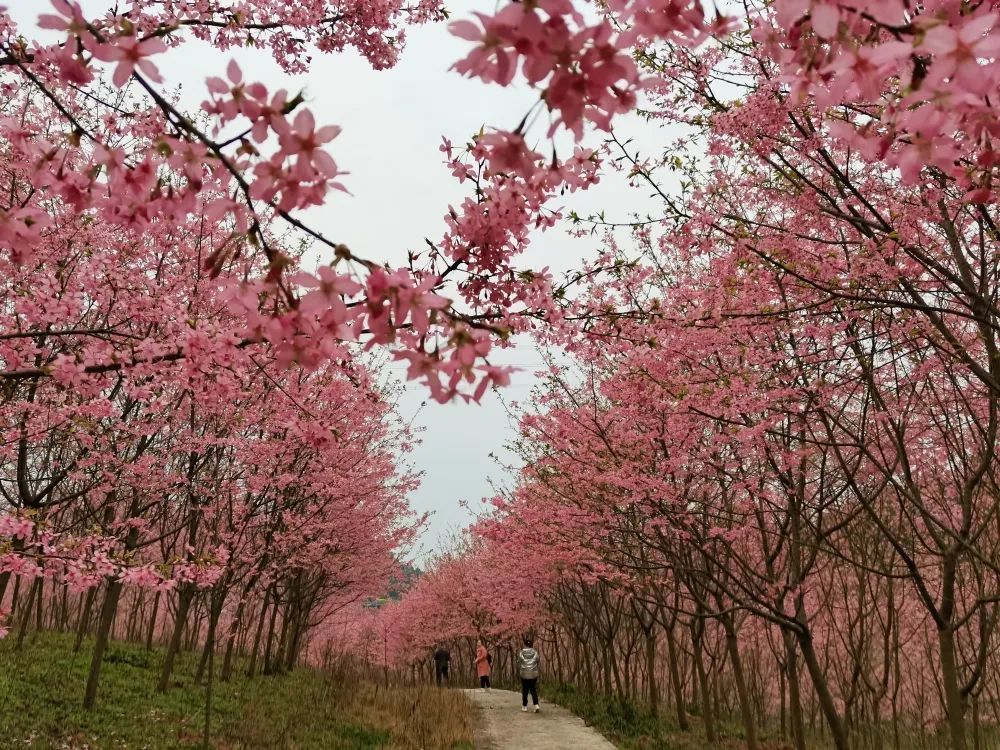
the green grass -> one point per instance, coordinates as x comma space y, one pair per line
631, 727
41, 693
628, 726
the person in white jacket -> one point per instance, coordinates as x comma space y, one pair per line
527, 664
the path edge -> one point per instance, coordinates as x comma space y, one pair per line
481, 735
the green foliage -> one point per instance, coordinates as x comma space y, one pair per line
630, 726
361, 737
41, 693
131, 656
621, 721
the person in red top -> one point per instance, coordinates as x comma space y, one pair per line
483, 666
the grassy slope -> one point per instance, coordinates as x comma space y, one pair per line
630, 727
41, 690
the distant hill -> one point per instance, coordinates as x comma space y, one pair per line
398, 585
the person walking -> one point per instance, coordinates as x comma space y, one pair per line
484, 666
527, 664
442, 660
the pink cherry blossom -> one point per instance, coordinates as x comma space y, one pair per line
130, 53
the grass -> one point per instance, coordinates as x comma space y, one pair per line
631, 727
628, 726
41, 691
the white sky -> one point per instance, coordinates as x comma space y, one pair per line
392, 124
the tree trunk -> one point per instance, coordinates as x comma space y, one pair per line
615, 671
17, 546
215, 611
39, 622
183, 604
210, 650
697, 629
4, 580
675, 679
295, 641
954, 704
588, 671
746, 710
64, 610
193, 629
259, 632
976, 739
838, 732
108, 610
134, 626
653, 694
84, 623
33, 593
782, 710
270, 636
152, 622
234, 628
795, 719
606, 677
14, 596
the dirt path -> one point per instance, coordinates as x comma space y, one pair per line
502, 725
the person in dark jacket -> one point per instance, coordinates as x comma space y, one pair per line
442, 659
527, 665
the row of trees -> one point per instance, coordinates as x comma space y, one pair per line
790, 502
766, 487
161, 473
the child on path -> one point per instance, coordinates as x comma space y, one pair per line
527, 663
483, 667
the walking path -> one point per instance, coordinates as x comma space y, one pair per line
502, 726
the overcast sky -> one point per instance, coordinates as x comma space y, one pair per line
392, 124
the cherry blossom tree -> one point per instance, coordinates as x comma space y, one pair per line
786, 404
